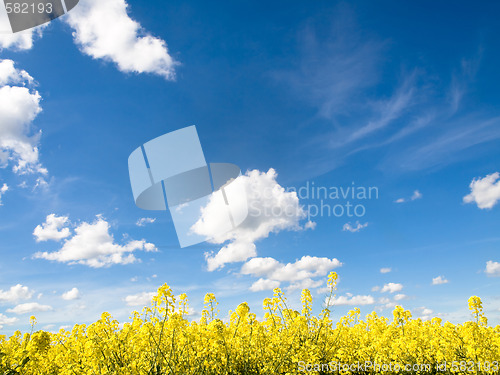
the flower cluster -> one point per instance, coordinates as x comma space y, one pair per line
162, 340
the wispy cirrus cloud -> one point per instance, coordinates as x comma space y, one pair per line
389, 110
330, 71
421, 123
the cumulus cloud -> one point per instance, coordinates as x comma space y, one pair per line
29, 307
423, 313
492, 268
104, 30
271, 209
144, 220
416, 195
310, 225
305, 267
55, 228
6, 320
439, 280
15, 293
385, 270
299, 274
485, 192
399, 297
19, 106
306, 284
385, 303
20, 41
353, 229
264, 284
91, 244
391, 288
71, 294
3, 190
350, 300
141, 299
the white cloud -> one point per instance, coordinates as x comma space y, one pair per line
358, 226
399, 297
264, 284
376, 288
104, 30
15, 293
19, 106
71, 294
145, 220
3, 190
391, 288
29, 307
385, 270
299, 274
416, 195
271, 209
485, 192
141, 299
6, 320
55, 228
492, 268
330, 73
310, 225
304, 268
439, 280
18, 41
423, 313
385, 303
305, 284
390, 110
350, 300
260, 266
94, 246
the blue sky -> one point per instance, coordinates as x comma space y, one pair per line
401, 97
